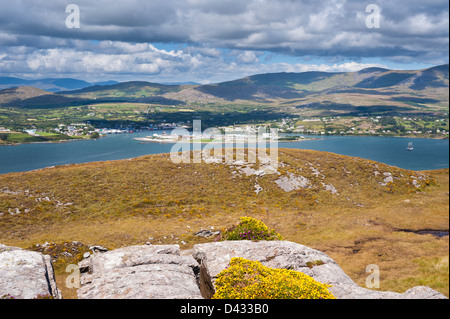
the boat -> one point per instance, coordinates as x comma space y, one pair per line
410, 146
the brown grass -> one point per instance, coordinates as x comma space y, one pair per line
121, 203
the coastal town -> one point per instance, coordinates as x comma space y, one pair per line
296, 128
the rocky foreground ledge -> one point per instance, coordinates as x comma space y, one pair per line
26, 274
165, 272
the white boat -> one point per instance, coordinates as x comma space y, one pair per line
410, 146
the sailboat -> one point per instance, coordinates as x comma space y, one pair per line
410, 146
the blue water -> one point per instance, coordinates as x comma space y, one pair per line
428, 154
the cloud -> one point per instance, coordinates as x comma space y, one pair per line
247, 57
115, 36
282, 25
108, 57
125, 61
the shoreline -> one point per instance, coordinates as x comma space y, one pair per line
218, 142
143, 140
281, 144
131, 158
45, 142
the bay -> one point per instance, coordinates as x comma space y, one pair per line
428, 154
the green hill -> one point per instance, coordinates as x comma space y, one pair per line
308, 82
51, 85
20, 94
134, 89
284, 92
369, 92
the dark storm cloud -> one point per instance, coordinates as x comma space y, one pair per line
302, 27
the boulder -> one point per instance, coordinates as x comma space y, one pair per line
140, 272
207, 233
163, 272
26, 274
215, 257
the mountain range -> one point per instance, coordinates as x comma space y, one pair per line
48, 84
375, 88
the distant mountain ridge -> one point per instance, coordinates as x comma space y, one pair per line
50, 84
390, 90
366, 78
263, 87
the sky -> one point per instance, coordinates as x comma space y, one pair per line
211, 41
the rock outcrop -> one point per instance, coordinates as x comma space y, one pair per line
26, 274
214, 257
140, 272
164, 272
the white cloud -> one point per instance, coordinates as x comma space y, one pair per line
343, 67
247, 57
219, 40
126, 61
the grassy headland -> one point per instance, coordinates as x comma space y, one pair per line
20, 137
357, 211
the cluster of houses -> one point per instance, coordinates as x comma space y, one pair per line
285, 125
288, 125
79, 129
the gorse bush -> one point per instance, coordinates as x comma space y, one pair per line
250, 229
246, 279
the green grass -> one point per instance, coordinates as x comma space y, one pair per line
432, 271
42, 137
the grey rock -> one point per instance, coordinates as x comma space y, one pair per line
163, 272
215, 257
292, 182
26, 274
98, 249
331, 188
140, 272
207, 233
422, 292
388, 179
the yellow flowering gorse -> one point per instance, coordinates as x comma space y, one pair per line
246, 279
